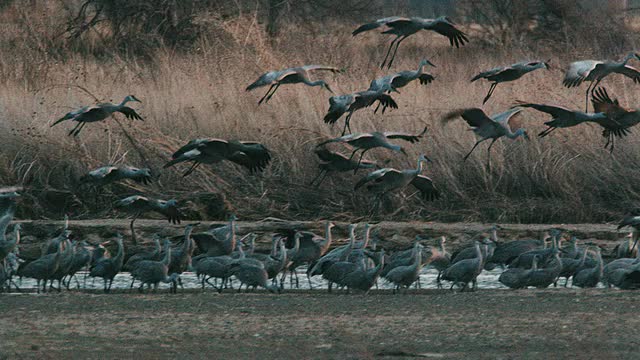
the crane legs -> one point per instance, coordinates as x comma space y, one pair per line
489, 153
76, 130
473, 148
272, 90
546, 131
359, 161
347, 124
491, 90
191, 169
396, 50
389, 51
321, 175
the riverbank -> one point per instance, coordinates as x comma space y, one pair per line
491, 324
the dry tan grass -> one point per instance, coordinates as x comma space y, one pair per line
567, 177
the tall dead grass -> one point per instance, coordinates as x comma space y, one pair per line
567, 177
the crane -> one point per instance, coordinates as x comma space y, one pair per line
489, 127
89, 114
110, 174
392, 82
293, 75
562, 117
594, 71
619, 119
383, 181
349, 103
372, 140
403, 27
138, 204
337, 162
507, 73
252, 155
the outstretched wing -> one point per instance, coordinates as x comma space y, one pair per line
378, 176
338, 105
412, 138
252, 155
631, 72
444, 26
506, 118
171, 211
426, 79
345, 138
475, 117
602, 102
135, 202
578, 72
553, 110
488, 73
130, 113
428, 191
320, 68
376, 24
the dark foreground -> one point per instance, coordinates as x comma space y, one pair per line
488, 324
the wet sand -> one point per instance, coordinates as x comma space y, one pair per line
488, 324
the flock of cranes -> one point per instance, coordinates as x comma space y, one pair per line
357, 265
219, 255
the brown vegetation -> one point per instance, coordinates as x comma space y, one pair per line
198, 91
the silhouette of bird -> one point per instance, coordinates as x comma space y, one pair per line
152, 272
403, 27
392, 82
337, 162
42, 269
619, 119
383, 181
508, 73
489, 127
465, 271
218, 241
349, 103
368, 141
137, 205
596, 70
97, 113
252, 155
562, 117
110, 174
294, 75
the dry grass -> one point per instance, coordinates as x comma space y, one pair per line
567, 177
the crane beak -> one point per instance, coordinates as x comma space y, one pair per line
58, 121
328, 88
430, 63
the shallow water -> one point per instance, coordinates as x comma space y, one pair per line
486, 280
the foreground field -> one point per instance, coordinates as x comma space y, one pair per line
432, 324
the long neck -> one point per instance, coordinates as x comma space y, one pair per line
627, 58
313, 83
442, 245
187, 239
417, 262
274, 248
124, 102
600, 262
420, 68
231, 240
365, 241
327, 239
494, 235
167, 255
120, 255
512, 135
16, 235
241, 252
419, 166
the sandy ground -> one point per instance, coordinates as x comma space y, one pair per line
488, 324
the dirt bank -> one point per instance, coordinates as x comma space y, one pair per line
488, 324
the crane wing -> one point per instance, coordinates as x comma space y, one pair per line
192, 144
475, 117
506, 118
329, 156
320, 68
407, 137
490, 72
602, 102
426, 79
130, 113
631, 72
578, 72
387, 174
171, 211
444, 26
251, 155
345, 138
426, 187
553, 110
338, 105
376, 24
135, 202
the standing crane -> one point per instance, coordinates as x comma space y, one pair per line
384, 181
619, 119
403, 27
295, 75
632, 219
349, 103
507, 73
488, 127
562, 117
368, 141
337, 162
594, 71
252, 155
108, 268
137, 205
89, 114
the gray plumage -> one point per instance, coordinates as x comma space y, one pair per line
619, 119
153, 254
590, 277
110, 174
219, 241
594, 71
152, 272
488, 127
350, 103
403, 27
108, 268
89, 114
404, 276
252, 155
362, 279
508, 73
42, 268
295, 75
518, 278
543, 277
465, 271
252, 276
384, 181
337, 162
8, 244
562, 117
